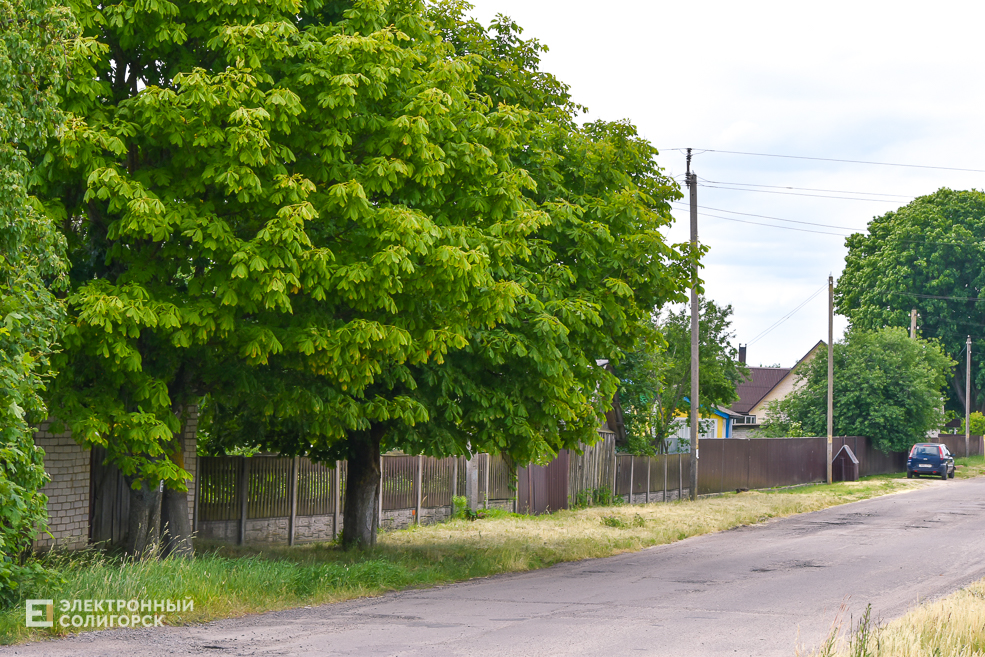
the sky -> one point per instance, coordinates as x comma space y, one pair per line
890, 82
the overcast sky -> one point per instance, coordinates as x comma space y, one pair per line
894, 82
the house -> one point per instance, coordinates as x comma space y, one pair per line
716, 423
764, 385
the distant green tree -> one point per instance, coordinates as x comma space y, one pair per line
927, 255
655, 378
34, 36
886, 386
977, 424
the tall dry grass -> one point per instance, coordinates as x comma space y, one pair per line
953, 626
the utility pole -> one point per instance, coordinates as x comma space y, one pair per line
692, 183
967, 400
913, 324
831, 367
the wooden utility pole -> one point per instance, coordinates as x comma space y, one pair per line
913, 324
831, 367
967, 400
692, 183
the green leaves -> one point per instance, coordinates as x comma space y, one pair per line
655, 378
886, 386
33, 55
930, 256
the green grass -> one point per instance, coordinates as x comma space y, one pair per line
227, 581
966, 468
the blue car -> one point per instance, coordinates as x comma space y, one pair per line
930, 459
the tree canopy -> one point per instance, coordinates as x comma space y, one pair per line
33, 43
655, 378
928, 255
352, 225
886, 386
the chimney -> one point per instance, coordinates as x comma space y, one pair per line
742, 354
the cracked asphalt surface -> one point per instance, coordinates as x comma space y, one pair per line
758, 590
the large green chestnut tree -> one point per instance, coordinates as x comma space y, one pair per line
344, 225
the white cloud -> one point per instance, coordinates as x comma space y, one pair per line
879, 81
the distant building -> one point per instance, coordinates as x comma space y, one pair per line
763, 385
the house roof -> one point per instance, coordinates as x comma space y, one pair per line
752, 389
763, 379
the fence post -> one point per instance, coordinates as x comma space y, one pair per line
454, 481
488, 466
666, 458
614, 481
379, 497
418, 479
293, 488
337, 494
648, 467
632, 469
680, 477
198, 494
244, 496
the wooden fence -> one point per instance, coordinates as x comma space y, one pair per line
291, 499
295, 499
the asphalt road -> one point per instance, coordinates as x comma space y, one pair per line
759, 590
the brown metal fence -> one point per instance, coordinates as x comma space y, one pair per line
955, 444
739, 463
653, 477
413, 482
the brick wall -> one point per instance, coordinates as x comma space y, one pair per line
68, 491
189, 448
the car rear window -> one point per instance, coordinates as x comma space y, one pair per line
926, 450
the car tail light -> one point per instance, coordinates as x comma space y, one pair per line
912, 449
941, 450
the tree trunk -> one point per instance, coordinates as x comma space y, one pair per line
362, 489
144, 519
176, 528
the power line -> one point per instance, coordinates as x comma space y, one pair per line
773, 191
928, 296
831, 159
758, 223
793, 221
788, 315
805, 189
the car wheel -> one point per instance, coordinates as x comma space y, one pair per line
909, 474
944, 474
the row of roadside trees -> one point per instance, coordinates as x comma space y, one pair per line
339, 227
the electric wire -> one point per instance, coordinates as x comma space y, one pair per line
804, 189
773, 191
829, 159
787, 316
759, 223
793, 221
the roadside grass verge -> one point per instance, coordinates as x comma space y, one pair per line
949, 627
227, 581
966, 468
